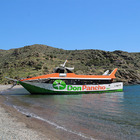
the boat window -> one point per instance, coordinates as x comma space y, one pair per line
74, 81
85, 82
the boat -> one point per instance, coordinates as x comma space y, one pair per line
64, 81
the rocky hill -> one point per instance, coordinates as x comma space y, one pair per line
38, 59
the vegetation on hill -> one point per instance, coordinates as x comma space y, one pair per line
38, 59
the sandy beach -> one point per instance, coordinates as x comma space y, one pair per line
11, 128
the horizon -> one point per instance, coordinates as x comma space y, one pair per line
71, 25
67, 49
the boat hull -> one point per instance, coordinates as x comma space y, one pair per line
44, 88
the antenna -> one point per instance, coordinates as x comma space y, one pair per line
63, 65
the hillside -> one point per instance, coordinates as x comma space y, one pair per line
41, 59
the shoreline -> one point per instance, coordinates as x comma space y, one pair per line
13, 126
32, 128
26, 127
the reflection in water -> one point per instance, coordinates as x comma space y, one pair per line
103, 116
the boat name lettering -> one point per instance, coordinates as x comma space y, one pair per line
74, 88
85, 88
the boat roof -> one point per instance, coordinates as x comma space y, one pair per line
63, 72
74, 76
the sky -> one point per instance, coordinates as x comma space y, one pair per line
71, 24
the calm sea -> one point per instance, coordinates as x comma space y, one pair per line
99, 116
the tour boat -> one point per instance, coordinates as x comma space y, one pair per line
64, 81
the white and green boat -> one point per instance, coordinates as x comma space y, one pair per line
64, 81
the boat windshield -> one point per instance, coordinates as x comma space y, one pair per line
62, 70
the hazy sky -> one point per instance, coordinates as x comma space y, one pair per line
71, 24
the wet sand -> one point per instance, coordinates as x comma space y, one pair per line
12, 124
11, 129
15, 125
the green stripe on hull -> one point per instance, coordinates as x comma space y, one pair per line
37, 90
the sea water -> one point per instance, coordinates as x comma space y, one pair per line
100, 116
